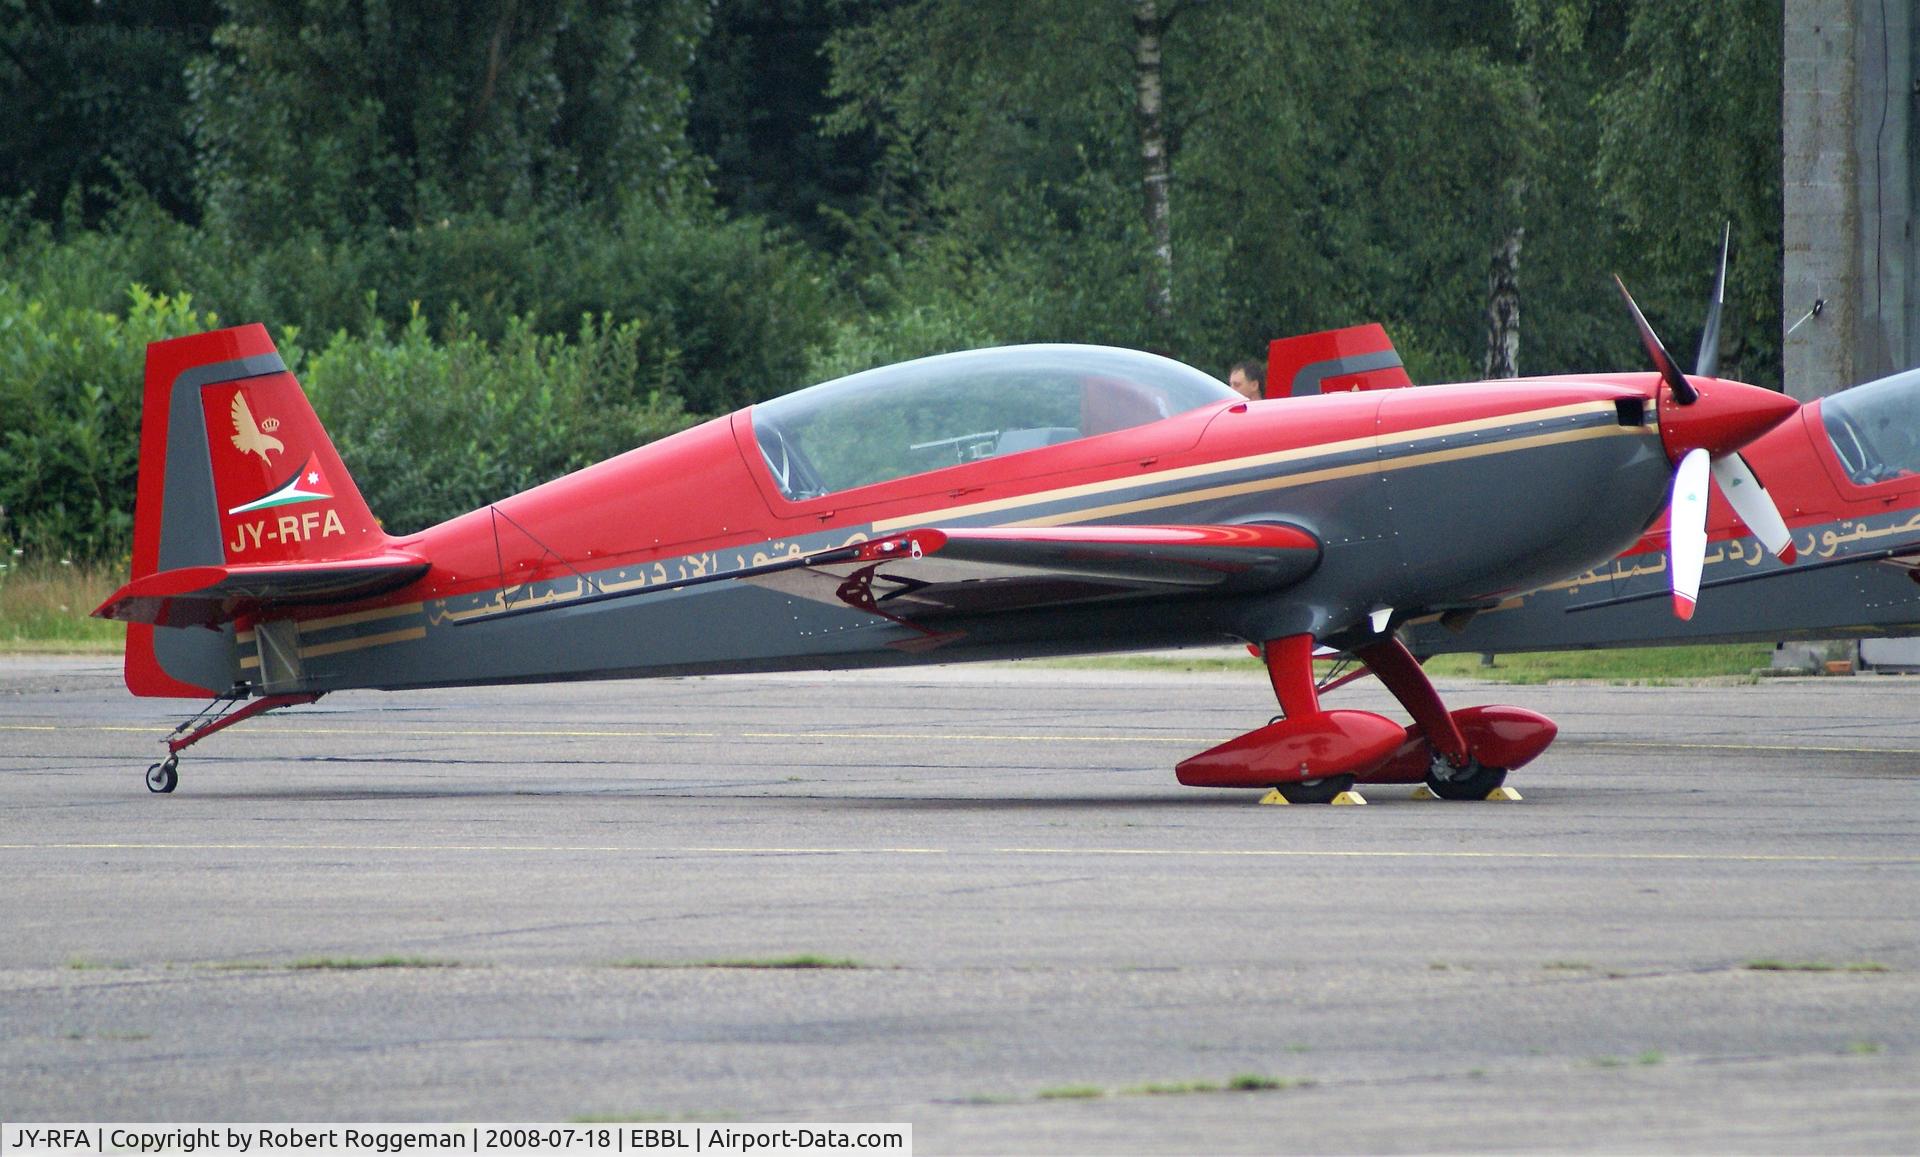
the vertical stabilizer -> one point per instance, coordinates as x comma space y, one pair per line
1359, 357
235, 471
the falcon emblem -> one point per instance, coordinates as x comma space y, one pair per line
248, 438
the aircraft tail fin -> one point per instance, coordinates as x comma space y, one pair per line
243, 505
1359, 357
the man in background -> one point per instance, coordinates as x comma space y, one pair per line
1249, 380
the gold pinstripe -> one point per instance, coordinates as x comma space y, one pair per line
1571, 410
374, 615
406, 635
402, 636
251, 638
1084, 513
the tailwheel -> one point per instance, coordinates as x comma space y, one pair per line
222, 713
164, 776
1315, 790
1474, 780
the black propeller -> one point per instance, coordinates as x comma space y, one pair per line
1706, 364
1683, 392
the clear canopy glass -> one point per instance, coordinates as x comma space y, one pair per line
964, 407
1875, 427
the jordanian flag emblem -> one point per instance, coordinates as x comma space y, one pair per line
310, 485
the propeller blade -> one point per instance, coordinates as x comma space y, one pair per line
1706, 363
1683, 391
1750, 500
1687, 530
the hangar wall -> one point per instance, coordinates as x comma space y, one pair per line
1848, 140
1849, 137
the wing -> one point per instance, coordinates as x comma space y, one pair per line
934, 571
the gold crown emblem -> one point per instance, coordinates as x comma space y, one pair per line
270, 425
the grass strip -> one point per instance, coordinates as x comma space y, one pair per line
333, 964
798, 963
1770, 965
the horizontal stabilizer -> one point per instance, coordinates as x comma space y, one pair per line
207, 596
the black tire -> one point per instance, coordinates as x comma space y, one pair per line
162, 778
1315, 790
1474, 781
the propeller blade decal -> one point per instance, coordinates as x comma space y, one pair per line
1750, 500
1683, 391
1687, 530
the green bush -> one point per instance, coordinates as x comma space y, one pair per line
686, 313
70, 387
431, 429
736, 304
731, 304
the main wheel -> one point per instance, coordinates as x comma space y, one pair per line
162, 777
1473, 781
1315, 790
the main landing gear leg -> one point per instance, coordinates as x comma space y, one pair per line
164, 776
1308, 755
1462, 754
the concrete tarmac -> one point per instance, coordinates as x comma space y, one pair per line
1699, 932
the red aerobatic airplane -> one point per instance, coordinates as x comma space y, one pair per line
999, 503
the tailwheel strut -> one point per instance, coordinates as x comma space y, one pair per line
218, 715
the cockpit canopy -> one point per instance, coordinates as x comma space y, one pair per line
1875, 427
962, 407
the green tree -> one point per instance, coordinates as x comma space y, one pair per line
344, 115
759, 91
1689, 138
1326, 164
96, 95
